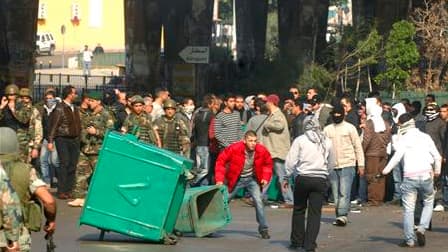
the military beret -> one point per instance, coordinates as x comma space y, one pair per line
96, 95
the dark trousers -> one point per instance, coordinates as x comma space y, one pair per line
376, 185
68, 152
308, 194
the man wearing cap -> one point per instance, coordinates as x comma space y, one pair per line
348, 151
92, 135
64, 131
276, 138
172, 130
30, 139
139, 123
421, 161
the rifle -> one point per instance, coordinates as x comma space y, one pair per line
50, 243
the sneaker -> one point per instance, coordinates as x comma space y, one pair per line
355, 202
439, 208
76, 203
355, 210
265, 234
421, 240
340, 221
404, 244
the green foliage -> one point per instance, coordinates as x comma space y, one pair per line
400, 54
338, 2
316, 76
225, 11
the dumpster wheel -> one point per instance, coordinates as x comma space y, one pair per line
170, 239
178, 233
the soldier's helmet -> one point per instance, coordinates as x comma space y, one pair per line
8, 141
170, 103
11, 89
25, 92
137, 99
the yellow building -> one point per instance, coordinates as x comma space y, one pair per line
87, 22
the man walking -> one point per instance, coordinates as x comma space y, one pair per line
419, 155
246, 164
348, 151
310, 158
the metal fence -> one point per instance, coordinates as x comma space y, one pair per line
81, 82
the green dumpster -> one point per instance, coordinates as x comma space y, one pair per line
136, 190
204, 210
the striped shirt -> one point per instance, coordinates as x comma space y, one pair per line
228, 128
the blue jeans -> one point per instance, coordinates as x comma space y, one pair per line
398, 179
203, 164
48, 160
410, 188
279, 168
341, 185
362, 190
253, 189
445, 188
86, 67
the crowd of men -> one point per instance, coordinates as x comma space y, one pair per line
241, 141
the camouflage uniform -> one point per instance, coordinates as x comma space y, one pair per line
23, 114
35, 130
11, 213
25, 181
90, 147
141, 126
173, 134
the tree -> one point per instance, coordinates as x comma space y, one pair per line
400, 54
431, 23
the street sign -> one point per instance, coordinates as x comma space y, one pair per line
195, 54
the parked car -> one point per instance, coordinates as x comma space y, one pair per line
45, 43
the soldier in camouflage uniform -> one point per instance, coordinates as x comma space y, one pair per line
25, 182
11, 218
173, 131
33, 138
94, 127
16, 116
139, 123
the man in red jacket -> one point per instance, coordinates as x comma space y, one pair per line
249, 165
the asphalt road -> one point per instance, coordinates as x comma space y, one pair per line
374, 229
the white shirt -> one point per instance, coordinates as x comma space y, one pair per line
87, 56
419, 155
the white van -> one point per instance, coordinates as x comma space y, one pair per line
45, 43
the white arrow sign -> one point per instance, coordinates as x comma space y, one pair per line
195, 54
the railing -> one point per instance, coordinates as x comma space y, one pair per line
81, 82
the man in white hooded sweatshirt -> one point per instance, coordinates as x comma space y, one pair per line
419, 156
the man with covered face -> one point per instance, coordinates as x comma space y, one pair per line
348, 151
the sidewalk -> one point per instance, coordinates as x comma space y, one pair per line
110, 71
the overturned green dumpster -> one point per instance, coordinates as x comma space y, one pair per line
136, 190
204, 210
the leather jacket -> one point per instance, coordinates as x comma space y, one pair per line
64, 122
